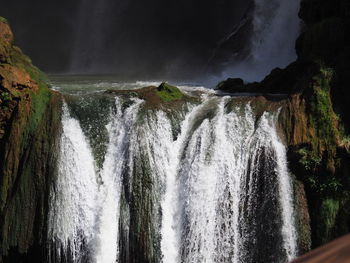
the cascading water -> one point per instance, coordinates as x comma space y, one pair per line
90, 198
275, 28
217, 163
266, 199
74, 196
119, 127
205, 181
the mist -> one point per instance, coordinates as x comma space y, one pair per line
180, 40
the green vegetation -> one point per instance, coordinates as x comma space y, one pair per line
5, 96
308, 159
318, 159
40, 101
3, 20
40, 98
322, 115
327, 218
320, 182
169, 93
328, 185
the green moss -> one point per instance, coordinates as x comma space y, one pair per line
317, 158
3, 20
321, 183
327, 218
169, 93
40, 99
322, 115
40, 102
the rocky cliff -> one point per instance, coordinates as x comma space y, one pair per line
319, 135
29, 124
316, 117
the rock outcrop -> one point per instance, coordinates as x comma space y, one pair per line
316, 117
322, 158
164, 96
29, 125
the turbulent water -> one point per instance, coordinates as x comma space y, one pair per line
206, 181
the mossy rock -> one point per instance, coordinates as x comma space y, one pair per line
29, 131
3, 20
327, 219
322, 115
166, 97
168, 92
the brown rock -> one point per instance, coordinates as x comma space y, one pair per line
6, 33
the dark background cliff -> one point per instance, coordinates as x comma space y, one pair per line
133, 37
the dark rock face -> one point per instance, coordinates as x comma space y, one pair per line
29, 127
326, 39
142, 234
290, 80
231, 85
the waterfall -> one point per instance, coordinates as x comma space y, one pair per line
91, 199
275, 28
209, 164
266, 199
218, 160
107, 246
74, 195
207, 181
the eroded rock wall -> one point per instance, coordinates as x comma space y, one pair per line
29, 127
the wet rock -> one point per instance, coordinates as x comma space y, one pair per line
165, 96
231, 85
